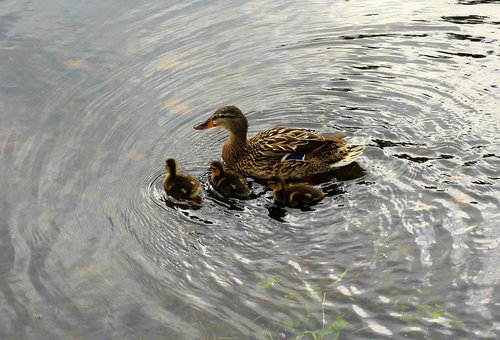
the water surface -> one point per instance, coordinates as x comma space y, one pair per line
96, 95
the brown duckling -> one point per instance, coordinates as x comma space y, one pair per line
180, 186
228, 183
295, 195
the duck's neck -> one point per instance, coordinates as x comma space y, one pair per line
235, 145
170, 173
215, 178
166, 180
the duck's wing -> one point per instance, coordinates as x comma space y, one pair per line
290, 144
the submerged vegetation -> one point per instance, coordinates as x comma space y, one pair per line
343, 324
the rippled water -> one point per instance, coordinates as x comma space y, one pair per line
96, 95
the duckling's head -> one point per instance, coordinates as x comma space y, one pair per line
276, 183
228, 117
171, 167
217, 168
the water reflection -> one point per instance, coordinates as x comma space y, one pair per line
462, 54
465, 37
466, 19
477, 2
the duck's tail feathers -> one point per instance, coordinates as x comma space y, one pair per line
353, 152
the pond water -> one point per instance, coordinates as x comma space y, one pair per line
95, 95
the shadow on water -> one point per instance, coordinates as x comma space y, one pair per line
181, 205
226, 202
349, 172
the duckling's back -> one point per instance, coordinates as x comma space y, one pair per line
232, 185
182, 187
300, 195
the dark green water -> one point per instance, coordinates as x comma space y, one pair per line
95, 95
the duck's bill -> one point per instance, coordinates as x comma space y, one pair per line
205, 125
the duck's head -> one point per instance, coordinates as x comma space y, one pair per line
171, 167
216, 168
228, 117
276, 183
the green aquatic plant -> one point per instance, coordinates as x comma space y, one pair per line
426, 311
268, 283
334, 329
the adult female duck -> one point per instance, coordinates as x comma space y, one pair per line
281, 151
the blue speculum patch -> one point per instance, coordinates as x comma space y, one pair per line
297, 156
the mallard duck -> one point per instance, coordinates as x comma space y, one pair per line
180, 186
283, 151
228, 183
295, 195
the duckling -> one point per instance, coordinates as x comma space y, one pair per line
228, 183
180, 186
295, 195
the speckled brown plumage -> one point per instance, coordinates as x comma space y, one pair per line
284, 151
